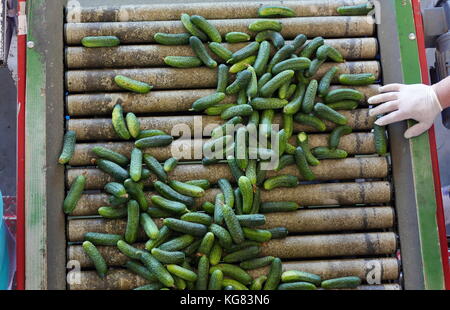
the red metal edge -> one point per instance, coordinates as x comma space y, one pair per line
433, 149
20, 185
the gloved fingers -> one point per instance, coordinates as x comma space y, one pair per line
391, 87
384, 108
416, 130
383, 98
393, 117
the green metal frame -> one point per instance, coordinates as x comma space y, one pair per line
422, 172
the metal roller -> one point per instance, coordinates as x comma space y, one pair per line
331, 169
161, 101
332, 245
223, 10
319, 220
153, 55
116, 279
336, 268
140, 32
194, 125
354, 143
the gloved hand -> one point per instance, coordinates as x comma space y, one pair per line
418, 102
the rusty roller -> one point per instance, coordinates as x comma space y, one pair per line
153, 55
329, 269
332, 169
355, 143
219, 10
161, 101
96, 80
332, 245
140, 32
196, 125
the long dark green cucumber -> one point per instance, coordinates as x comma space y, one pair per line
222, 235
258, 235
110, 155
323, 152
256, 201
356, 10
177, 243
234, 272
275, 37
96, 258
220, 50
155, 167
74, 194
274, 276
227, 191
242, 255
343, 94
296, 64
222, 78
154, 141
183, 61
100, 41
357, 79
132, 227
136, 193
275, 11
68, 147
132, 85
169, 205
309, 97
278, 232
324, 85
278, 206
380, 138
344, 282
298, 41
102, 238
172, 38
236, 37
159, 213
241, 82
169, 193
157, 268
201, 52
310, 49
296, 102
324, 111
168, 257
300, 276
302, 140
249, 50
262, 58
215, 280
237, 201
284, 180
191, 28
197, 217
257, 262
336, 134
207, 28
310, 120
119, 124
185, 227
202, 273
117, 202
302, 164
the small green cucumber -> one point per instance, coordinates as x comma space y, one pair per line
112, 212
325, 112
187, 189
327, 51
136, 165
233, 225
288, 124
243, 245
207, 28
208, 207
258, 283
158, 213
155, 167
177, 243
100, 41
260, 103
163, 235
284, 161
262, 58
234, 272
302, 140
227, 191
151, 133
271, 86
258, 235
336, 134
132, 85
275, 37
216, 280
340, 94
242, 64
248, 50
102, 238
257, 262
218, 208
133, 124
116, 189
275, 11
296, 64
356, 10
117, 202
132, 228
302, 164
284, 180
324, 85
233, 165
266, 77
278, 206
344, 105
157, 268
238, 110
222, 235
291, 91
170, 164
110, 155
310, 49
241, 82
296, 286
310, 96
191, 28
300, 276
128, 250
236, 37
222, 78
201, 52
172, 38
113, 169
206, 244
215, 255
168, 257
218, 108
168, 192
119, 124
220, 50
296, 102
274, 276
241, 148
96, 258
344, 282
323, 152
246, 188
197, 217
237, 201
283, 53
207, 101
282, 91
250, 172
154, 141
185, 227
360, 79
265, 24
183, 61
169, 205
202, 274
314, 67
148, 225
310, 120
256, 201
68, 147
252, 87
380, 138
74, 194
192, 248
251, 220
242, 255
278, 232
136, 193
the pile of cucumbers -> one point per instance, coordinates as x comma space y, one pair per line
214, 247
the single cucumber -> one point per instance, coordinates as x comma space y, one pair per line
202, 273
242, 64
168, 192
288, 124
324, 85
207, 28
274, 276
215, 255
191, 28
355, 10
265, 24
238, 110
110, 155
96, 258
285, 161
113, 169
256, 201
218, 108
380, 138
149, 226
102, 238
327, 51
234, 272
74, 194
302, 140
344, 282
208, 207
119, 123
201, 52
291, 91
132, 85
300, 276
251, 220
192, 248
116, 189
296, 64
128, 250
279, 232
257, 262
136, 165
180, 284
344, 105
336, 134
325, 112
271, 86
133, 124
260, 103
151, 133
310, 96
275, 11
233, 225
246, 189
227, 191
236, 37
222, 78
117, 202
284, 180
215, 280
177, 244
242, 255
100, 41
155, 167
243, 245
112, 212
258, 283
220, 51
170, 164
241, 149
233, 165
314, 67
238, 201
158, 213
310, 49
163, 235
154, 141
172, 38
282, 91
187, 189
275, 37
241, 82
206, 244
68, 147
258, 235
252, 87
264, 79
323, 152
183, 61
250, 172
194, 229
262, 58
231, 284
296, 102
297, 286
357, 79
278, 206
283, 53
248, 50
222, 235
340, 94
310, 120
157, 268
197, 217
218, 208
302, 164
136, 193
168, 257
169, 205
132, 228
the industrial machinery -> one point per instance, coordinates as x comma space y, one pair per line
379, 218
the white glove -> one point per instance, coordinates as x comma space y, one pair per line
418, 102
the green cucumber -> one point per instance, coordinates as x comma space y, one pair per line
231, 284
279, 232
133, 124
183, 61
260, 174
288, 124
325, 112
284, 180
207, 28
148, 225
215, 255
336, 134
300, 276
264, 79
227, 191
239, 110
180, 284
243, 245
68, 147
132, 85
314, 67
234, 272
260, 103
356, 10
201, 52
105, 153
250, 172
324, 85
282, 140
275, 37
218, 208
128, 250
185, 227
151, 133
344, 282
282, 91
242, 255
283, 53
256, 201
360, 79
380, 139
291, 91
278, 206
248, 50
236, 37
197, 217
168, 257
202, 273
327, 51
344, 105
340, 94
265, 24
257, 262
262, 58
117, 202
285, 161
296, 64
206, 244
302, 164
246, 188
170, 164
132, 228
168, 192
310, 49
191, 28
100, 41
251, 220
258, 235
116, 189
113, 169
187, 189
119, 123
241, 149
74, 194
208, 207
112, 212
136, 193
258, 283
271, 86
323, 152
177, 243
238, 201
233, 165
242, 64
169, 205
155, 167
296, 102
163, 235
310, 96
192, 248
154, 141
157, 268
218, 108
222, 235
96, 258
297, 286
310, 120
275, 11
158, 213
241, 82
242, 96
233, 225
172, 38
274, 276
136, 165
220, 50
302, 140
222, 79
215, 281
102, 239
252, 87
